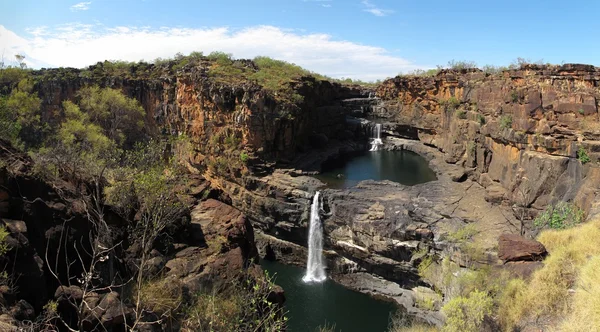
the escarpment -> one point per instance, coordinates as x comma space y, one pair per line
504, 147
520, 130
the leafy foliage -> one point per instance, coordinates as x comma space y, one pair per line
3, 244
467, 313
583, 156
246, 308
559, 216
461, 64
506, 121
121, 118
461, 114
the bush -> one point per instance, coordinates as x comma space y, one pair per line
244, 308
451, 103
560, 216
463, 234
162, 296
472, 148
401, 322
481, 119
461, 114
462, 64
467, 313
244, 157
506, 121
514, 96
583, 156
3, 244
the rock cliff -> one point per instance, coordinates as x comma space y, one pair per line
521, 130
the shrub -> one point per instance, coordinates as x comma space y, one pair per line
401, 322
472, 148
451, 103
583, 156
559, 216
481, 119
244, 157
461, 114
3, 244
244, 308
463, 234
581, 111
467, 313
162, 296
461, 64
514, 96
506, 121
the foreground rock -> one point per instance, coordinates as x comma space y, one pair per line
512, 247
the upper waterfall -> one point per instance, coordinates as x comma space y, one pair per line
376, 138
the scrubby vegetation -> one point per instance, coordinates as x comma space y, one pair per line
583, 156
559, 216
564, 292
506, 122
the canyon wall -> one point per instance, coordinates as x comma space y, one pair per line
520, 130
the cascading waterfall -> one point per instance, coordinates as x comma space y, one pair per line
315, 270
376, 139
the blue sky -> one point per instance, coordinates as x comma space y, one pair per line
350, 38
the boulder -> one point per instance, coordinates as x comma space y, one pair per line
513, 247
22, 311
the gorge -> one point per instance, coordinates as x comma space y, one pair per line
448, 166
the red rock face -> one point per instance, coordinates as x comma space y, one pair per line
521, 128
512, 247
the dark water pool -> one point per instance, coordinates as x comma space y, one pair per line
312, 305
405, 167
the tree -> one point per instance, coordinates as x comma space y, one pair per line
122, 118
21, 60
144, 191
20, 115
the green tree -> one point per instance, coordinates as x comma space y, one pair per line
122, 118
20, 115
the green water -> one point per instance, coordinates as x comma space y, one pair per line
404, 167
312, 305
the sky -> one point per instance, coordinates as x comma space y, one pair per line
360, 39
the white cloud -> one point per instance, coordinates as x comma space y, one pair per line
80, 45
373, 9
326, 6
81, 6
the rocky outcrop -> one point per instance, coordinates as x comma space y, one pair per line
220, 246
512, 247
520, 128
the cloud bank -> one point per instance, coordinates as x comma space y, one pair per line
80, 45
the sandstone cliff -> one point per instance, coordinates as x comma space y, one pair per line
520, 130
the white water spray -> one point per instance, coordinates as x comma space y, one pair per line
376, 141
315, 270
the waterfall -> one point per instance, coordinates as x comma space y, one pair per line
315, 270
376, 138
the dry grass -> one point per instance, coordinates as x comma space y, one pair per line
400, 322
573, 264
584, 313
162, 296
